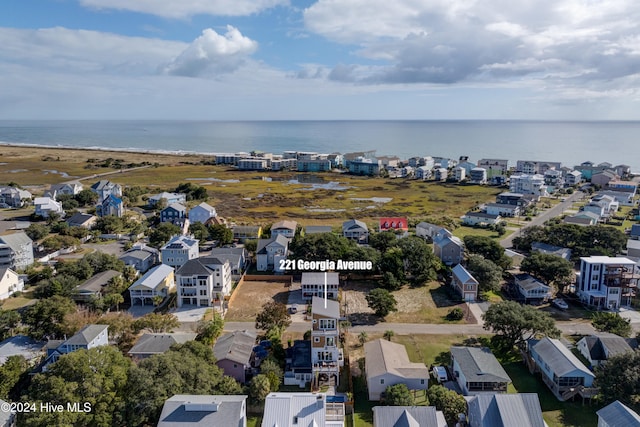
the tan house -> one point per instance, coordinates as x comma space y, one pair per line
387, 363
157, 282
326, 355
286, 228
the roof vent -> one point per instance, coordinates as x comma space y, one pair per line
201, 407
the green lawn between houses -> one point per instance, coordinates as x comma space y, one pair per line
434, 349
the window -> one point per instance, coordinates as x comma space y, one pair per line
381, 380
327, 323
235, 365
316, 339
422, 381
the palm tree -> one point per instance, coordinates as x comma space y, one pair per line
388, 334
363, 337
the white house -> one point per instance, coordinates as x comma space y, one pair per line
12, 197
313, 285
423, 173
270, 253
354, 229
410, 416
68, 189
204, 282
326, 354
426, 230
476, 370
169, 198
460, 174
200, 410
531, 288
286, 228
46, 206
478, 175
16, 250
387, 363
528, 184
606, 282
301, 410
441, 174
480, 218
503, 210
598, 348
202, 213
157, 282
10, 283
179, 250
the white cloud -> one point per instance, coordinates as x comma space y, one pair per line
187, 8
560, 43
212, 54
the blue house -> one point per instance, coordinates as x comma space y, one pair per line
111, 205
173, 212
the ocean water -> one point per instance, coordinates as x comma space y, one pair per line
616, 142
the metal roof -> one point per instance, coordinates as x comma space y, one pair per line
152, 278
182, 410
559, 358
478, 364
281, 409
505, 410
463, 275
332, 308
406, 416
618, 414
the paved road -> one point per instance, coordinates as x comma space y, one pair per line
555, 211
567, 328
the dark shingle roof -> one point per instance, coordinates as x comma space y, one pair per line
479, 365
159, 343
236, 346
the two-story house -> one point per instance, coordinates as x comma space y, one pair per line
95, 286
313, 285
234, 354
46, 206
354, 229
157, 282
12, 197
141, 257
286, 228
202, 213
270, 253
65, 189
326, 355
204, 282
464, 283
104, 188
110, 205
166, 198
87, 338
606, 282
178, 250
173, 213
16, 251
448, 248
10, 283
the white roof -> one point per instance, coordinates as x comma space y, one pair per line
281, 408
153, 277
607, 260
318, 278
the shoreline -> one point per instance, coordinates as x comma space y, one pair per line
172, 153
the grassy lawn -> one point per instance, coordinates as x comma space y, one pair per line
430, 349
472, 231
555, 413
254, 421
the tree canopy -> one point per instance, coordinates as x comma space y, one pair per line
399, 395
549, 268
46, 317
273, 317
448, 401
486, 272
611, 322
619, 378
381, 301
515, 323
488, 248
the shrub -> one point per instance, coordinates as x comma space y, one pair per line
455, 314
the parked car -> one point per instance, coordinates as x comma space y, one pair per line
440, 373
560, 303
293, 309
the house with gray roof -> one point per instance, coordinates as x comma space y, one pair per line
94, 286
530, 288
354, 229
582, 218
159, 343
238, 258
427, 230
141, 257
464, 283
301, 409
505, 410
204, 282
317, 229
234, 353
173, 213
157, 282
298, 367
326, 354
448, 248
477, 370
180, 249
202, 213
87, 338
270, 252
189, 410
561, 370
408, 416
105, 188
12, 197
598, 348
21, 345
387, 363
64, 189
564, 253
286, 227
16, 250
83, 220
168, 197
617, 414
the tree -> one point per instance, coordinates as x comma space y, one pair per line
486, 272
363, 337
548, 267
162, 233
112, 299
619, 378
10, 372
199, 231
55, 243
86, 197
156, 322
611, 322
45, 318
399, 395
120, 328
9, 320
210, 330
110, 224
488, 248
420, 261
388, 334
392, 262
381, 301
382, 241
448, 401
272, 370
37, 231
188, 368
221, 233
515, 323
259, 387
274, 316
100, 261
97, 376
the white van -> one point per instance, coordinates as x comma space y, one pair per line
440, 373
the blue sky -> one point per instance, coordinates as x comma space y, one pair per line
322, 59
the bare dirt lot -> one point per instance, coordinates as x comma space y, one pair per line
249, 297
424, 304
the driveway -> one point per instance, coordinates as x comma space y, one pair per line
190, 314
